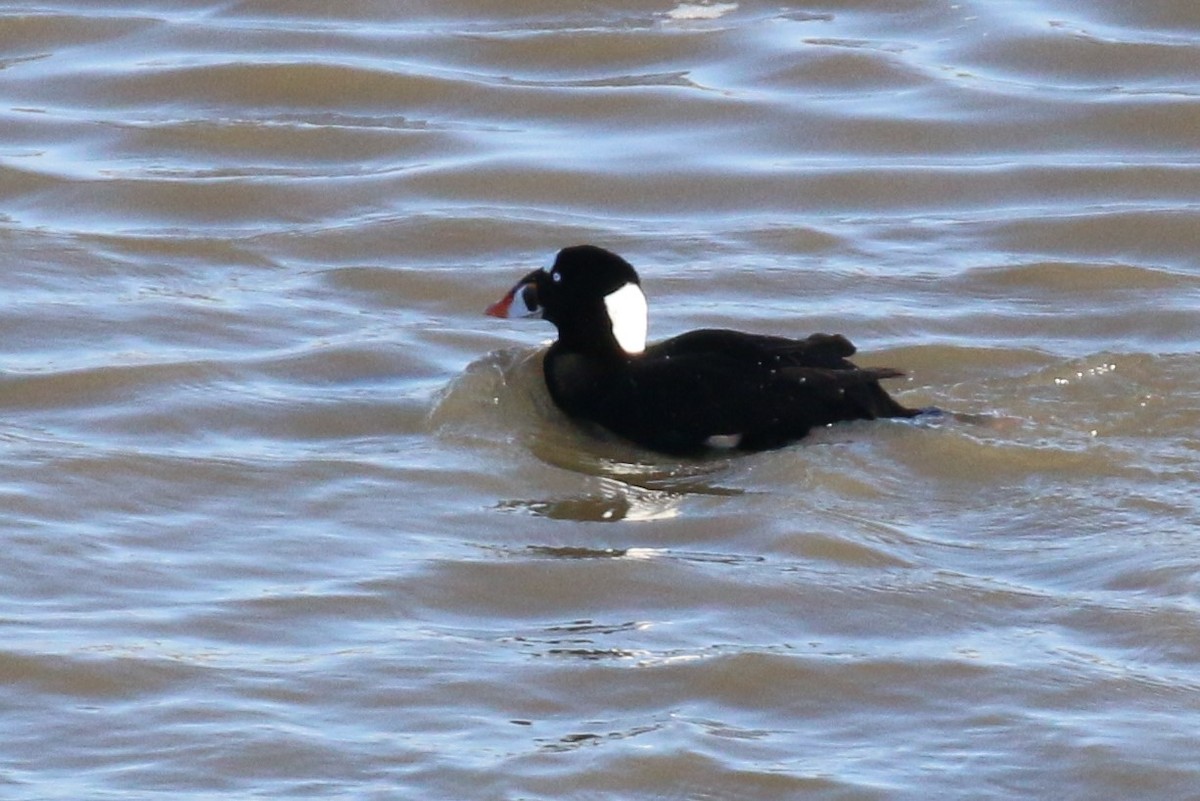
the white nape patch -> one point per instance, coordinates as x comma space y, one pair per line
627, 314
724, 441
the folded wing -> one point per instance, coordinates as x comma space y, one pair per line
762, 391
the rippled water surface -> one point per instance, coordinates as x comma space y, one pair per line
285, 516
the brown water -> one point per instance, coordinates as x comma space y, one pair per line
284, 516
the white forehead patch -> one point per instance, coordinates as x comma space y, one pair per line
627, 313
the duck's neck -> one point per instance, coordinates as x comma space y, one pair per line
614, 330
594, 341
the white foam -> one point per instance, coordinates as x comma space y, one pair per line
644, 553
688, 11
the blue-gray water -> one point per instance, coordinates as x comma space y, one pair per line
284, 516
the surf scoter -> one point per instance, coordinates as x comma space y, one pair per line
705, 388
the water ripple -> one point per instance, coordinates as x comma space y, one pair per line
285, 515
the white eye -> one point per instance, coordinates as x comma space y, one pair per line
556, 277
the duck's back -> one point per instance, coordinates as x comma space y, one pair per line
748, 390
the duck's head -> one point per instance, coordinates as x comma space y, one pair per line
592, 295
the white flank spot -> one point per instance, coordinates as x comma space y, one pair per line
724, 441
627, 314
685, 11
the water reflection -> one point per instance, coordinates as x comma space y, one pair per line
612, 502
